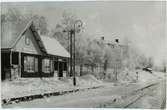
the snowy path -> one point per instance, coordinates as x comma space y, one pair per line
89, 98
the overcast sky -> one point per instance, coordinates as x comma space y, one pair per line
142, 22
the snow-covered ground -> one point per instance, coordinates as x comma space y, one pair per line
108, 94
140, 76
153, 99
32, 86
90, 98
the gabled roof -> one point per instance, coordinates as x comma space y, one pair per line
12, 33
53, 47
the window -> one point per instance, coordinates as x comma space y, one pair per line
27, 41
47, 65
30, 64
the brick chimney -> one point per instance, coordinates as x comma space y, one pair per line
117, 40
102, 38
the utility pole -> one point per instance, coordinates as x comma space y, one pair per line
74, 79
72, 55
71, 34
71, 59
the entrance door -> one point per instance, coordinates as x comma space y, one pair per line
60, 72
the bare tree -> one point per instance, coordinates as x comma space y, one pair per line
16, 17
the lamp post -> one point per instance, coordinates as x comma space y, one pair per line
77, 25
72, 31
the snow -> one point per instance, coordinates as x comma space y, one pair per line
32, 86
153, 100
58, 49
89, 98
107, 96
100, 97
128, 76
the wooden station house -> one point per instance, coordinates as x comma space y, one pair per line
26, 53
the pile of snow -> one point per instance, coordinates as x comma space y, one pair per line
127, 76
147, 76
161, 75
90, 78
139, 76
32, 86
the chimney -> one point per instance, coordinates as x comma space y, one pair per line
117, 40
102, 38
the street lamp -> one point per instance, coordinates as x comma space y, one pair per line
75, 28
77, 25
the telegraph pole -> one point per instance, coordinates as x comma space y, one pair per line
74, 79
71, 33
72, 55
71, 59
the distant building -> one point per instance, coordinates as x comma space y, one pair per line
114, 55
25, 53
115, 49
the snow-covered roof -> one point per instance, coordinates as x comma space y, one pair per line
53, 47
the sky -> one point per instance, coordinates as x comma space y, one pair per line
143, 23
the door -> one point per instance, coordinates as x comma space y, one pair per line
60, 72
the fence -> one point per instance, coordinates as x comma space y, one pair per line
98, 71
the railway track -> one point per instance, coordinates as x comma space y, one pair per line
119, 101
141, 93
128, 99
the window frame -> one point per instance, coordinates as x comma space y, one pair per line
33, 67
47, 69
